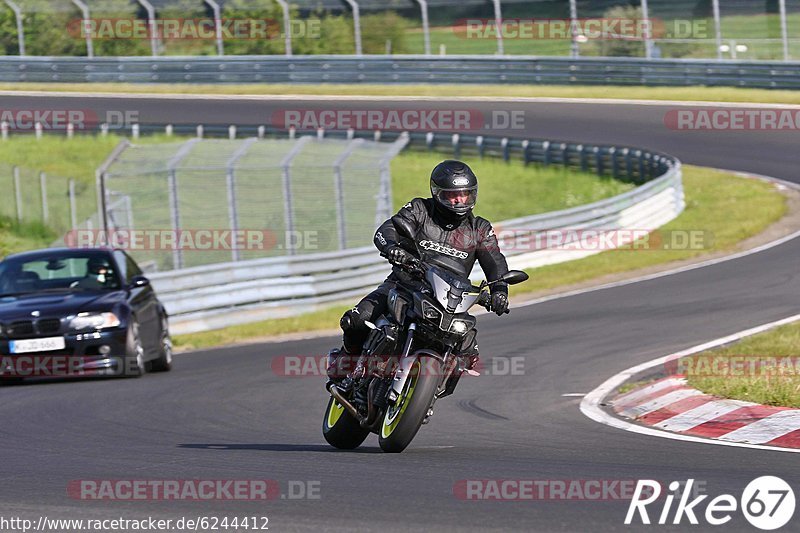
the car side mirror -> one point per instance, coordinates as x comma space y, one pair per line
139, 281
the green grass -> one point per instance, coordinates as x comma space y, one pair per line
709, 94
723, 373
507, 190
711, 196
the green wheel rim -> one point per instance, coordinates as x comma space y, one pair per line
334, 412
395, 413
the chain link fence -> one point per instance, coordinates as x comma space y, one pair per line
34, 197
700, 29
205, 201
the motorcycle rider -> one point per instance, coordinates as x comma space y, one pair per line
451, 236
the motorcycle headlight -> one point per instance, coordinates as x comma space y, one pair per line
94, 321
459, 326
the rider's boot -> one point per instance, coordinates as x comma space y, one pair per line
337, 370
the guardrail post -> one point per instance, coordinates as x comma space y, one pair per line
456, 146
200, 131
232, 133
565, 155
20, 29
17, 193
73, 210
37, 128
546, 152
612, 155
582, 153
43, 187
506, 149
598, 160
429, 140
626, 157
526, 145
480, 144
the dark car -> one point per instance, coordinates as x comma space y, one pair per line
66, 312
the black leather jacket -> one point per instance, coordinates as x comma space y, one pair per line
451, 245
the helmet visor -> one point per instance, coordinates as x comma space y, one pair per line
457, 199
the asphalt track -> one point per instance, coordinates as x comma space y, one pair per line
225, 414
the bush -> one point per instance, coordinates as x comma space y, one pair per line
378, 28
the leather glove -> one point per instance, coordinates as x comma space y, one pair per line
499, 302
398, 256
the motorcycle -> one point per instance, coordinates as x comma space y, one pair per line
393, 395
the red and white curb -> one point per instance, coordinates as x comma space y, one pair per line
670, 409
670, 404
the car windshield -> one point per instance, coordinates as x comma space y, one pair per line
57, 273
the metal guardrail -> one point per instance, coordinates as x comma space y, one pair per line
214, 296
404, 69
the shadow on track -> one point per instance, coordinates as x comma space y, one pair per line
279, 448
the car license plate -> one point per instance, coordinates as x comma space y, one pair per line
37, 345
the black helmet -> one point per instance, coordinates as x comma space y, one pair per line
454, 188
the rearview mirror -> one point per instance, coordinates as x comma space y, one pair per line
139, 281
512, 277
403, 227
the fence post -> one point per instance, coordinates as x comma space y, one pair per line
717, 27
4, 130
784, 30
583, 162
339, 189
73, 211
565, 155
479, 142
426, 30
429, 140
20, 29
175, 217
526, 144
233, 212
546, 149
18, 193
287, 27
506, 149
648, 31
43, 185
612, 154
456, 146
288, 205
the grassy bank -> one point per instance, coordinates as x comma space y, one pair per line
708, 94
762, 369
710, 197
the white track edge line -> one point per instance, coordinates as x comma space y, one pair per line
590, 405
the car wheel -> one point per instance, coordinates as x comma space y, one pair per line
164, 361
134, 353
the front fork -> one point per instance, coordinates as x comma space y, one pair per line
403, 366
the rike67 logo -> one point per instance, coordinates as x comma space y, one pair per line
767, 503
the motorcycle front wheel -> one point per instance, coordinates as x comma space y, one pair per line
340, 429
404, 418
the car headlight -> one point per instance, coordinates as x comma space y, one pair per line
94, 321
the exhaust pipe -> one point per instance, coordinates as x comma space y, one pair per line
344, 403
